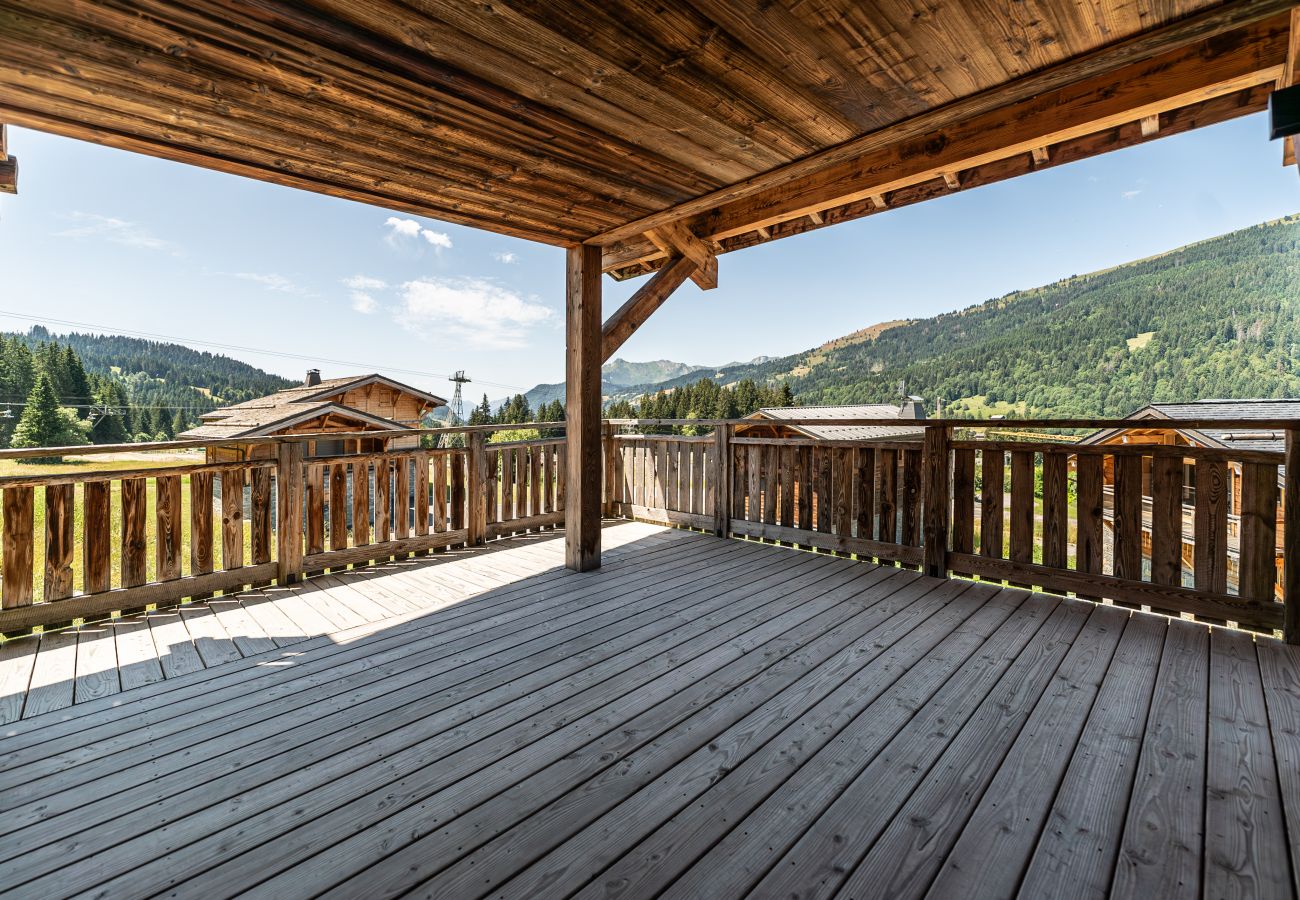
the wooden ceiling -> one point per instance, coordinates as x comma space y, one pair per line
601, 120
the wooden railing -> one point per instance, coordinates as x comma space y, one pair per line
1039, 514
114, 541
1036, 514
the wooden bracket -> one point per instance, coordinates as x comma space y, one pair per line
641, 305
8, 165
675, 239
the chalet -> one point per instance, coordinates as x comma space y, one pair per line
774, 422
351, 405
1265, 439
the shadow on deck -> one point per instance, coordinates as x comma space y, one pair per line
700, 718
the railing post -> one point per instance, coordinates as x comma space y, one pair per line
607, 453
288, 498
1291, 539
721, 476
476, 475
937, 499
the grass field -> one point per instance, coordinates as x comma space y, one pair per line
117, 463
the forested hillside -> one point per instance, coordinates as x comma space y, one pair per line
1220, 318
114, 388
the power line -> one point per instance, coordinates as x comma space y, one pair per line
220, 346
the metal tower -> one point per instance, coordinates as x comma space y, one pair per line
457, 401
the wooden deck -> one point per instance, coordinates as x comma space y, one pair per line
700, 718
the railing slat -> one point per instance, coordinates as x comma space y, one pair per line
963, 501
889, 497
1210, 559
1056, 522
232, 520
440, 493
260, 517
383, 501
19, 541
421, 511
201, 543
402, 498
1089, 551
865, 503
315, 487
134, 544
1022, 507
361, 503
1167, 520
59, 541
1126, 516
97, 532
167, 534
339, 506
993, 469
912, 514
1258, 530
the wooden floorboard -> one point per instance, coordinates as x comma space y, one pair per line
698, 718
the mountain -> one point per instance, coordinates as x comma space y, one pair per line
1219, 318
623, 373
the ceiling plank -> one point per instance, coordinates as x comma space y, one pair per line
1221, 66
641, 305
1235, 17
1290, 75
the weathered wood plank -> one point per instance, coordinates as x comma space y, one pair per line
1163, 840
338, 498
361, 503
97, 536
1056, 522
19, 543
1210, 560
60, 546
584, 355
889, 497
1089, 553
315, 487
1127, 518
963, 501
260, 517
1166, 520
993, 468
1246, 850
201, 542
1279, 666
232, 520
97, 672
134, 544
1259, 495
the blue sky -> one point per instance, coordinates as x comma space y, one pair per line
137, 244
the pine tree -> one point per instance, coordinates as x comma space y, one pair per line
43, 424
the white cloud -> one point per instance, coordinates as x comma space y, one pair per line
364, 303
476, 310
117, 231
272, 282
1129, 195
400, 230
365, 283
507, 258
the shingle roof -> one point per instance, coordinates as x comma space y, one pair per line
1243, 439
845, 432
264, 414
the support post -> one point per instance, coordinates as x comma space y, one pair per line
288, 512
584, 355
476, 474
1291, 539
721, 476
937, 499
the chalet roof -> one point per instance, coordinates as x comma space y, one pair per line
326, 388
258, 421
1232, 438
264, 415
608, 123
845, 432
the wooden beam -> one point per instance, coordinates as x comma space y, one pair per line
8, 165
953, 180
1188, 118
763, 232
641, 305
878, 201
582, 409
675, 239
1040, 156
816, 218
1288, 79
1150, 125
945, 141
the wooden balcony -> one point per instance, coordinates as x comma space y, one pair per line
342, 693
700, 717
